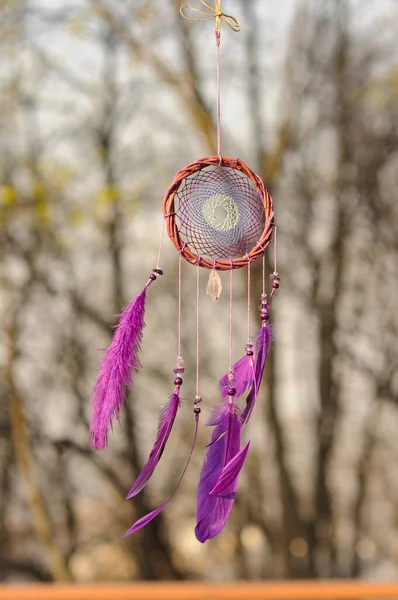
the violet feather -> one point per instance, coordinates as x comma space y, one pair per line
154, 513
264, 338
166, 421
119, 359
231, 471
213, 511
147, 518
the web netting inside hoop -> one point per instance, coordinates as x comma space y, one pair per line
218, 213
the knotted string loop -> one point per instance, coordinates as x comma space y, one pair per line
211, 13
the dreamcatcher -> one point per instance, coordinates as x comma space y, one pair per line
220, 217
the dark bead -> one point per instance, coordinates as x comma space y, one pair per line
275, 285
264, 317
250, 353
231, 391
197, 410
158, 271
152, 276
177, 381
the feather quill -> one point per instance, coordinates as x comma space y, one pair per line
115, 370
166, 421
212, 511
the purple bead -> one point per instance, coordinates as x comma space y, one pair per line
152, 276
264, 316
249, 353
179, 370
231, 391
275, 285
197, 410
158, 271
177, 381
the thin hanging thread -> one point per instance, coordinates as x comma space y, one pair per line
275, 271
161, 244
197, 331
264, 274
248, 300
218, 94
230, 319
233, 23
179, 307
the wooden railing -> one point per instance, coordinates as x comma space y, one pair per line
295, 590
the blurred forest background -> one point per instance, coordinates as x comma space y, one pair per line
101, 103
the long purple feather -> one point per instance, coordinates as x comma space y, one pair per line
166, 421
264, 338
119, 359
212, 511
154, 513
230, 472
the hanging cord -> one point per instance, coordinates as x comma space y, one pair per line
233, 23
274, 276
161, 245
264, 275
197, 332
179, 307
217, 33
180, 361
230, 321
248, 300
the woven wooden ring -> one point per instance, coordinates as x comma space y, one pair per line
170, 215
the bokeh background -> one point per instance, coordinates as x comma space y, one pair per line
101, 103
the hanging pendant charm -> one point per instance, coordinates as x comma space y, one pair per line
214, 285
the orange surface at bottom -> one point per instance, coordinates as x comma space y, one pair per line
316, 590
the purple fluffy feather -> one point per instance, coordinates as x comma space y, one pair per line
264, 338
213, 511
167, 417
119, 359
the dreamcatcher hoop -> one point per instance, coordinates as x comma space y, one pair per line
219, 216
170, 214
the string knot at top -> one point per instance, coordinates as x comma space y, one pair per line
212, 13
